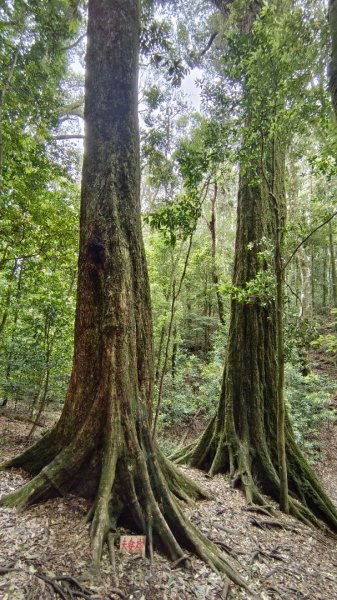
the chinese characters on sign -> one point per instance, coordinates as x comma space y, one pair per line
133, 544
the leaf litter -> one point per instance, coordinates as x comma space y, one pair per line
45, 550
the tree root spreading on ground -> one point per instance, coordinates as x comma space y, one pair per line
141, 486
65, 586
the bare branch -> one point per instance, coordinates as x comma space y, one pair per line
302, 242
68, 136
208, 45
73, 108
194, 58
74, 44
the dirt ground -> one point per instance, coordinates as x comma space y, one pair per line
45, 551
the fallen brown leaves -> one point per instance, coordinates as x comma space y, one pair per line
50, 543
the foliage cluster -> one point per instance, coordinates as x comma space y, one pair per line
309, 402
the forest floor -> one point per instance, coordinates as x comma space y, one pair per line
279, 557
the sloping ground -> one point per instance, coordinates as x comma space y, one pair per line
323, 364
279, 557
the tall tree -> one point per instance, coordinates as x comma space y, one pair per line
333, 62
251, 436
102, 445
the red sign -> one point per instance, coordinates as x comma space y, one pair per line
133, 544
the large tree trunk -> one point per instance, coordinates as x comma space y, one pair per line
250, 436
102, 446
333, 62
242, 437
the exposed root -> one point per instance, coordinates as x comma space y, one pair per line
100, 524
182, 486
263, 510
57, 477
255, 472
64, 586
150, 498
35, 457
112, 557
137, 484
201, 451
117, 592
183, 559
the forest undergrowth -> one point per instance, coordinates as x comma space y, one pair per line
280, 558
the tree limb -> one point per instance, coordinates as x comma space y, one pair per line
74, 44
68, 136
194, 58
302, 242
73, 108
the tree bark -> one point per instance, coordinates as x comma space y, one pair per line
242, 438
333, 62
251, 436
102, 445
215, 276
333, 267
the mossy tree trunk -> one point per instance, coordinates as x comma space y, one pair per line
333, 62
102, 446
242, 438
250, 436
333, 266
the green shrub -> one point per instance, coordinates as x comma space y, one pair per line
195, 389
308, 398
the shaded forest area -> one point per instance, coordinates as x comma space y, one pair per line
168, 298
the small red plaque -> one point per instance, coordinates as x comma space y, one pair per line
133, 544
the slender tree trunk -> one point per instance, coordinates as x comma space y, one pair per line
12, 343
160, 353
215, 276
8, 298
174, 355
176, 289
333, 62
305, 277
325, 279
41, 399
333, 266
313, 287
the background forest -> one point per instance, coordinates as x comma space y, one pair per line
193, 116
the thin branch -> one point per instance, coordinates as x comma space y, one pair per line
24, 256
74, 44
302, 242
68, 136
294, 293
73, 108
208, 45
194, 58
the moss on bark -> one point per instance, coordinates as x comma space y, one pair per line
103, 436
242, 437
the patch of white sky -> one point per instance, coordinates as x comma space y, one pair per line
191, 89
